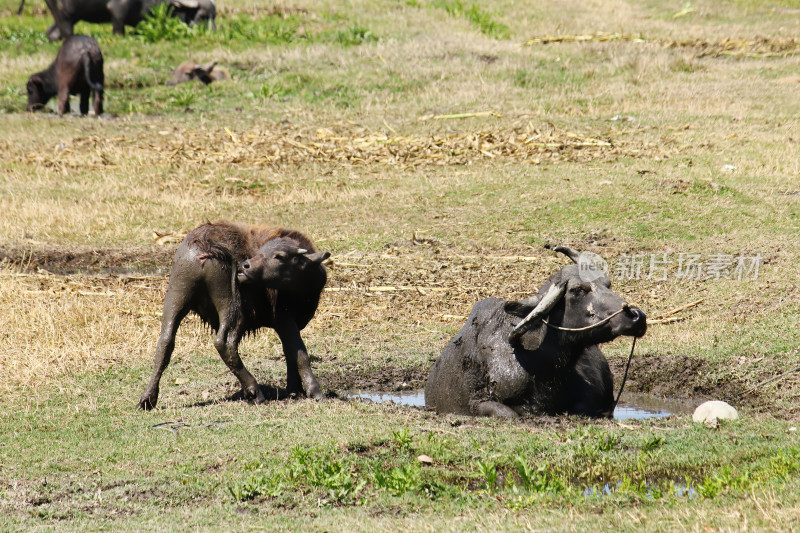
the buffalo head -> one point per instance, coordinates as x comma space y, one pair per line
280, 264
195, 11
578, 302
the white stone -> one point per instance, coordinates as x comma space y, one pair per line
710, 412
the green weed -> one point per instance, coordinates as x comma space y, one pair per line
401, 479
354, 35
160, 25
473, 13
403, 439
487, 471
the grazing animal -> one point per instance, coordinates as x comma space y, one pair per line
122, 13
548, 362
77, 69
238, 279
189, 70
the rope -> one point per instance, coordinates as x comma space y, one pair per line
587, 327
625, 376
630, 357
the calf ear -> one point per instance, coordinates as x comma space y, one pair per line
319, 257
534, 317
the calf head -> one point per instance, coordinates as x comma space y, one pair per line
280, 264
38, 94
580, 305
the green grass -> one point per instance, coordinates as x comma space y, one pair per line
428, 149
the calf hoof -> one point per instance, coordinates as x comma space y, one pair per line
255, 395
147, 404
315, 393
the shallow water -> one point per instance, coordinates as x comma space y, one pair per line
631, 406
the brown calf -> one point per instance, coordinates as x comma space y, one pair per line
189, 70
238, 279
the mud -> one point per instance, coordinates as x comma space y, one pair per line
436, 284
62, 260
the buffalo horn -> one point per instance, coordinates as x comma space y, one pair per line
189, 4
542, 309
572, 253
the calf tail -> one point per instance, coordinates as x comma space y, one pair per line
87, 70
236, 296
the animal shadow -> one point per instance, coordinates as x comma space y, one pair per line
271, 394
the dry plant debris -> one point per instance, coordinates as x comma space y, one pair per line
285, 145
754, 47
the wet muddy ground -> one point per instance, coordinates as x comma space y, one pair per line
461, 279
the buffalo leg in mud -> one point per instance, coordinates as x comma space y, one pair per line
176, 307
299, 376
496, 409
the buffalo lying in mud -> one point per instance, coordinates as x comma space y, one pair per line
547, 362
238, 279
122, 13
77, 69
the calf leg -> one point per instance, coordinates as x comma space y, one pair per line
84, 105
176, 306
227, 344
98, 103
63, 100
299, 376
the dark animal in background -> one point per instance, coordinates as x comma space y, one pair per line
238, 279
189, 70
122, 13
77, 69
538, 355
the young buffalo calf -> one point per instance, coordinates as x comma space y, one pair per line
238, 279
189, 70
78, 69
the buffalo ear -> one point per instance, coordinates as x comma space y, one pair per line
319, 257
521, 308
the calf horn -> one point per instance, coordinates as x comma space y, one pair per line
542, 309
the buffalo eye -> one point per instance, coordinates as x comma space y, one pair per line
580, 290
281, 256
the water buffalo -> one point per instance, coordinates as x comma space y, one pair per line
238, 279
77, 69
538, 355
122, 13
189, 70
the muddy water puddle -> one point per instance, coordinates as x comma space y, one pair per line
630, 407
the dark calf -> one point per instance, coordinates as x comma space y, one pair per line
239, 279
77, 69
